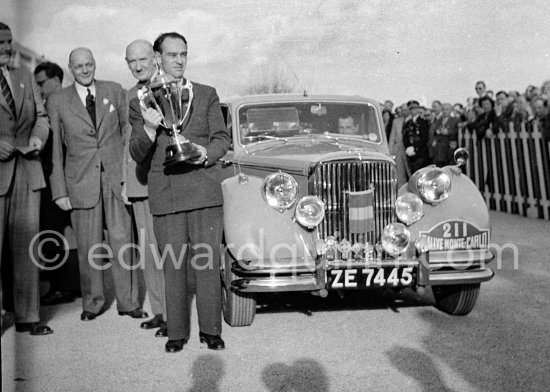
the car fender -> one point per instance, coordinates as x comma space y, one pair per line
256, 231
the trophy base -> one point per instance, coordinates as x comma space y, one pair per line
180, 152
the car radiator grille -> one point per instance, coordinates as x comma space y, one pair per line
331, 182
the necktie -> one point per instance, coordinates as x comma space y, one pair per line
7, 92
90, 106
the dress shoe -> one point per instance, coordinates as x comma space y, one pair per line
162, 331
56, 298
87, 316
155, 322
136, 313
173, 346
214, 342
34, 328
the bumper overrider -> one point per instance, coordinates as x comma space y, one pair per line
371, 267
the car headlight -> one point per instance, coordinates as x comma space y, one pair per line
280, 191
409, 208
395, 238
310, 211
434, 185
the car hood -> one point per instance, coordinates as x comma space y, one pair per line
299, 155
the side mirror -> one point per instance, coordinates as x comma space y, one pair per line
461, 157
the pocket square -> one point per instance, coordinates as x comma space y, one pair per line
105, 101
111, 108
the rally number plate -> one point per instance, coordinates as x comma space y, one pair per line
362, 278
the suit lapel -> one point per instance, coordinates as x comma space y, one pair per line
102, 104
77, 107
192, 103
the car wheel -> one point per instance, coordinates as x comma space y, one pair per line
239, 308
457, 300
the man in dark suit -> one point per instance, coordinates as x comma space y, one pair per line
64, 281
89, 118
186, 200
23, 133
415, 138
140, 58
444, 137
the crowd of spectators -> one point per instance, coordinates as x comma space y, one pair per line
419, 135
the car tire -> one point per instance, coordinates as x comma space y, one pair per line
238, 308
456, 300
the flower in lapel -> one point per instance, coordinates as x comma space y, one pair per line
105, 101
22, 85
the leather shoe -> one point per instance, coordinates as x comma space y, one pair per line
162, 331
173, 346
214, 342
87, 316
155, 322
34, 328
56, 298
136, 313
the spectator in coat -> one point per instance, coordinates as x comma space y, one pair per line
415, 138
444, 140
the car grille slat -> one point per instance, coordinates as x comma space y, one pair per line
332, 181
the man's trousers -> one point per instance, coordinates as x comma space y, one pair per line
152, 272
88, 226
200, 233
19, 218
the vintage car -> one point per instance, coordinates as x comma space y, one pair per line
311, 204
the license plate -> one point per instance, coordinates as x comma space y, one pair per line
360, 278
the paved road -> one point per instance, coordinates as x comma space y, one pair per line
367, 341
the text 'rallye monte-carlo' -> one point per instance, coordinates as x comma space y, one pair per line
311, 204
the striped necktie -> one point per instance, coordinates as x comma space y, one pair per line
6, 91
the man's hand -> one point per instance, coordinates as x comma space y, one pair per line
152, 119
124, 195
64, 203
410, 151
6, 150
35, 143
202, 158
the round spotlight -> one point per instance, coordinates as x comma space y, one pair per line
310, 211
409, 208
434, 185
395, 238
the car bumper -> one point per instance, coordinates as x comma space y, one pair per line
431, 268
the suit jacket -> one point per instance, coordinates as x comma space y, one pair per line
416, 134
134, 175
88, 149
395, 142
185, 187
31, 120
440, 150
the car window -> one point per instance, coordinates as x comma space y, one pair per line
285, 120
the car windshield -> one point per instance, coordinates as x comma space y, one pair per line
280, 121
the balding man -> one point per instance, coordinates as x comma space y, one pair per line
90, 119
140, 58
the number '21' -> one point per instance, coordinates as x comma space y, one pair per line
447, 230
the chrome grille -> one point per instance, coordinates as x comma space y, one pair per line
331, 182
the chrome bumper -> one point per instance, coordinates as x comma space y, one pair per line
432, 268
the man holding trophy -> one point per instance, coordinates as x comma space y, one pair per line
180, 125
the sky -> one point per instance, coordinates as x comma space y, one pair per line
396, 50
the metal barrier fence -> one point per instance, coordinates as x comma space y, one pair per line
511, 169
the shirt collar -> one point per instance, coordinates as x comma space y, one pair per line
83, 90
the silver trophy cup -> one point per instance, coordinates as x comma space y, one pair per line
173, 101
